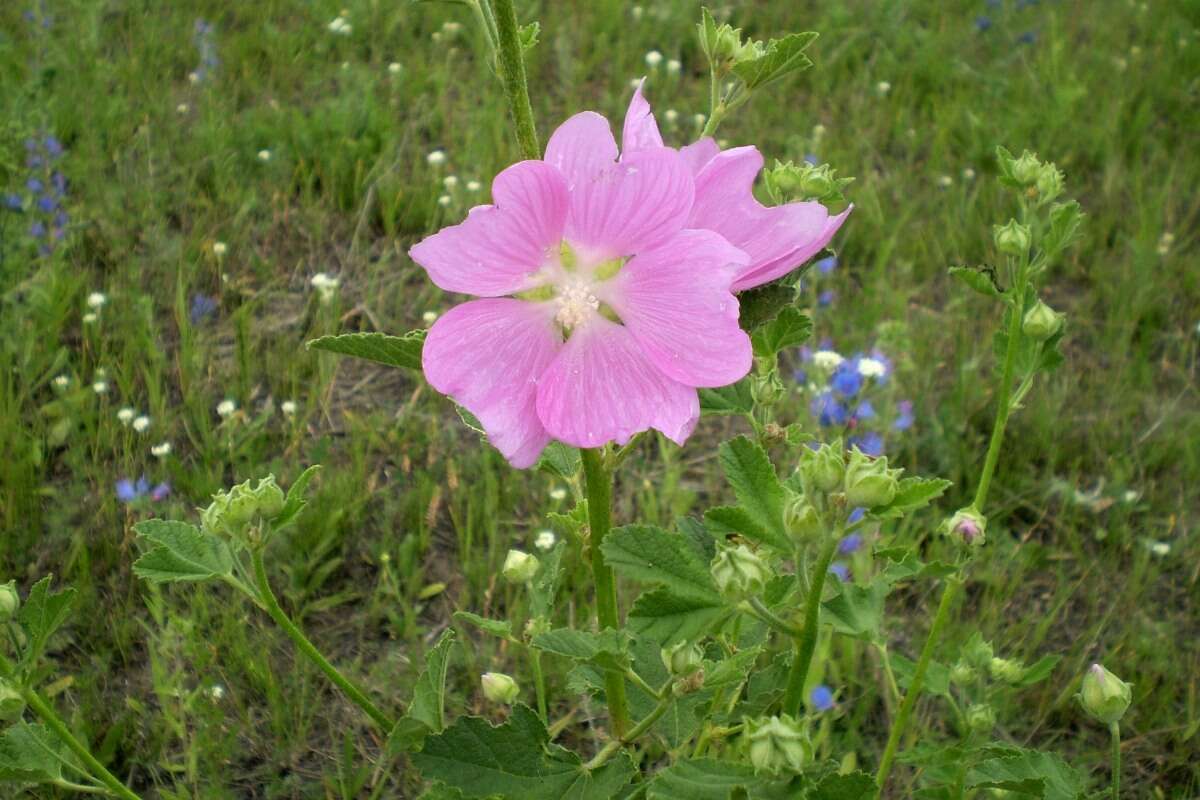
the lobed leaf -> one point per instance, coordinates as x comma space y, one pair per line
42, 614
758, 490
395, 351
790, 328
736, 398
780, 58
180, 552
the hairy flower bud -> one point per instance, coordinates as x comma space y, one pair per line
683, 658
977, 652
499, 688
869, 483
1105, 696
519, 567
10, 601
778, 743
739, 572
269, 496
1049, 182
1026, 169
981, 718
802, 520
823, 469
1003, 669
1041, 322
12, 704
967, 527
1012, 238
688, 684
962, 674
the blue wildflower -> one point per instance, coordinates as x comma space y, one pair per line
821, 698
1028, 37
800, 376
827, 265
34, 185
828, 410
904, 420
47, 204
846, 380
983, 23
840, 571
850, 543
865, 410
13, 202
129, 491
202, 306
856, 515
37, 229
870, 444
825, 298
811, 158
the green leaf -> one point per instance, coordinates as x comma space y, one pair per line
762, 304
702, 779
515, 760
937, 675
904, 565
1039, 670
851, 786
982, 280
758, 490
780, 58
501, 628
528, 35
668, 618
560, 459
789, 329
42, 614
1029, 771
30, 753
736, 398
545, 583
858, 610
429, 695
395, 351
914, 493
608, 649
180, 552
1065, 219
651, 554
296, 499
732, 670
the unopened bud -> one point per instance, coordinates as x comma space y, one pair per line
962, 674
739, 572
682, 659
1041, 322
688, 684
967, 527
1049, 182
1012, 238
823, 469
1026, 169
778, 743
1105, 696
519, 567
269, 497
981, 717
10, 601
802, 520
499, 688
977, 652
1003, 669
12, 704
869, 483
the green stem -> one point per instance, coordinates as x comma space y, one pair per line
78, 788
598, 480
714, 104
806, 642
483, 13
918, 680
512, 72
613, 746
309, 649
59, 728
771, 618
539, 681
1115, 729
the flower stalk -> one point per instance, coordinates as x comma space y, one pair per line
806, 642
512, 73
1114, 728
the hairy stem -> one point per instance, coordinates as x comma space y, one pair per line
356, 695
665, 701
1115, 729
598, 479
512, 72
806, 642
539, 681
771, 618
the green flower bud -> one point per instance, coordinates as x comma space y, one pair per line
739, 572
778, 743
212, 519
802, 520
1026, 169
519, 567
981, 718
962, 674
1012, 238
688, 684
1003, 669
823, 469
499, 688
967, 527
10, 601
1105, 696
269, 497
977, 652
869, 483
240, 507
682, 659
1041, 322
1049, 182
766, 389
12, 704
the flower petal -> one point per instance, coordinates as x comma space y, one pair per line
581, 147
631, 206
676, 301
602, 388
488, 355
496, 250
774, 269
725, 203
699, 153
640, 131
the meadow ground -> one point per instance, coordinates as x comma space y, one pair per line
217, 156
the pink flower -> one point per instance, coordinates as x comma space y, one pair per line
607, 288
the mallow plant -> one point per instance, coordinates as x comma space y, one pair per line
622, 288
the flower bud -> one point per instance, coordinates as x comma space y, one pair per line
869, 483
12, 704
10, 601
1026, 169
962, 674
777, 744
739, 572
967, 527
499, 688
688, 684
269, 497
682, 659
802, 520
981, 718
1105, 696
1012, 238
977, 652
240, 507
519, 567
1049, 182
1003, 669
823, 469
1041, 322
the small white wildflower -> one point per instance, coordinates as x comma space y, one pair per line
968, 174
96, 300
699, 119
671, 116
193, 77
161, 450
450, 181
100, 387
674, 66
225, 408
217, 692
264, 155
62, 381
436, 158
288, 407
220, 249
1135, 51
182, 108
394, 68
90, 317
325, 285
636, 12
545, 540
141, 424
945, 181
827, 359
429, 317
445, 200
871, 368
1160, 549
126, 415
818, 131
1165, 242
558, 493
635, 83
653, 59
474, 186
882, 88
345, 65
1131, 496
339, 26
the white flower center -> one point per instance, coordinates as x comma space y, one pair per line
576, 303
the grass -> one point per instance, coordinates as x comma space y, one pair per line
192, 694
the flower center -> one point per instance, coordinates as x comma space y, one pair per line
576, 302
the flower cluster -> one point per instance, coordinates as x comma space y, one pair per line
853, 396
45, 192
